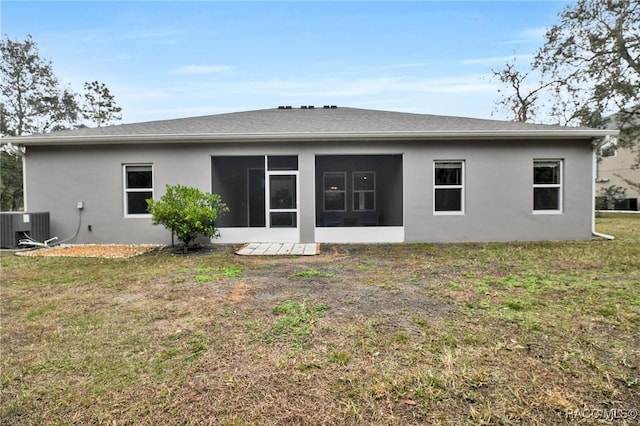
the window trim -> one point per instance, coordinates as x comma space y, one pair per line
325, 191
558, 185
355, 191
460, 187
126, 190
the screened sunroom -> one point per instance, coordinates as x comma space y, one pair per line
358, 190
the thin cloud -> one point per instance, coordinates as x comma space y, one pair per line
400, 66
529, 35
373, 86
493, 60
201, 69
274, 85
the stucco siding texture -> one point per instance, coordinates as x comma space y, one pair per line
497, 186
499, 194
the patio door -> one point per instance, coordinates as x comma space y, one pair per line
283, 200
282, 195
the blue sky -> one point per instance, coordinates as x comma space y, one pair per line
170, 59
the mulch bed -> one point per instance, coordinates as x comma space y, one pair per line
111, 251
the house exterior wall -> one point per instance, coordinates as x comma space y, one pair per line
620, 164
498, 193
497, 185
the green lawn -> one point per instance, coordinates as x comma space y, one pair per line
522, 333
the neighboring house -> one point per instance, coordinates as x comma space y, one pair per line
615, 164
321, 174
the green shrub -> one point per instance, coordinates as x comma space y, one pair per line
187, 212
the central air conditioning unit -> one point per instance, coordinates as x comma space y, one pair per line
15, 226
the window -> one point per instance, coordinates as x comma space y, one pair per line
448, 187
364, 191
282, 162
138, 187
609, 151
335, 199
547, 185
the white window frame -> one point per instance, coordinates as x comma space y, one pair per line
337, 191
460, 187
126, 190
356, 192
270, 209
558, 185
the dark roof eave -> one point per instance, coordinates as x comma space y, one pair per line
563, 133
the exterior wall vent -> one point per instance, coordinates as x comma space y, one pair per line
14, 226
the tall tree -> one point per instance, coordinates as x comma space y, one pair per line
33, 101
99, 104
593, 57
519, 99
32, 98
11, 193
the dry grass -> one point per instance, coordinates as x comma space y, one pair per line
521, 333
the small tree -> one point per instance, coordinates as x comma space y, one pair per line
187, 212
610, 195
99, 104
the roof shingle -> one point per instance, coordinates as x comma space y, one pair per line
302, 121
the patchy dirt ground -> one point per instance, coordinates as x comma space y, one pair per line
350, 288
358, 335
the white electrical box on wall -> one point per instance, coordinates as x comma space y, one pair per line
80, 205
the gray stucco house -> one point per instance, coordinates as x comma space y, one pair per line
323, 174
